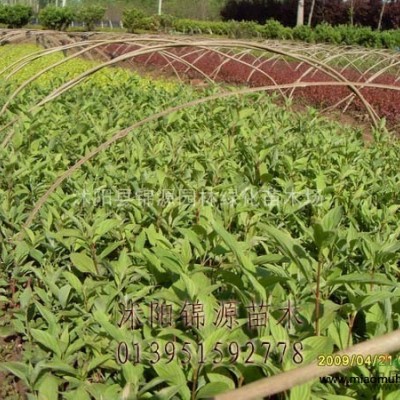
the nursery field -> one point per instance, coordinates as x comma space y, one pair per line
317, 89
163, 241
364, 83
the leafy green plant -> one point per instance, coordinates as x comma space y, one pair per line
90, 15
57, 18
132, 19
164, 21
327, 33
304, 33
273, 30
15, 16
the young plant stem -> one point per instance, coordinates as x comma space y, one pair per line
372, 278
318, 296
93, 252
194, 386
352, 318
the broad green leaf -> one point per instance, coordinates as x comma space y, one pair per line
19, 369
116, 333
301, 392
292, 249
270, 259
83, 263
219, 377
339, 333
46, 340
105, 226
191, 287
211, 389
132, 374
315, 346
234, 246
59, 366
376, 297
6, 331
364, 278
63, 295
48, 389
390, 396
322, 238
174, 375
332, 219
79, 394
73, 281
97, 361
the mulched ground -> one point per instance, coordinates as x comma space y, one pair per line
10, 387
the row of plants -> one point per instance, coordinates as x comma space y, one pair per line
253, 70
324, 33
60, 18
134, 20
51, 17
232, 200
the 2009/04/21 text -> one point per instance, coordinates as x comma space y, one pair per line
353, 360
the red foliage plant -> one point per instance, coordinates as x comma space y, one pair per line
221, 68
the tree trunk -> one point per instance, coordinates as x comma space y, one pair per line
381, 14
310, 15
300, 13
351, 11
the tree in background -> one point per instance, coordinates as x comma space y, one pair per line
56, 18
311, 13
330, 11
252, 10
132, 19
300, 13
381, 15
90, 15
15, 16
334, 12
391, 17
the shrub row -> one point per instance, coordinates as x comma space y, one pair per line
59, 18
272, 29
323, 33
51, 17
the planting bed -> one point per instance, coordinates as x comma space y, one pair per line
324, 76
258, 71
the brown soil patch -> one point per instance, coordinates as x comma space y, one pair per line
11, 388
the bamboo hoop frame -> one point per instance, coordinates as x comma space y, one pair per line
162, 47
